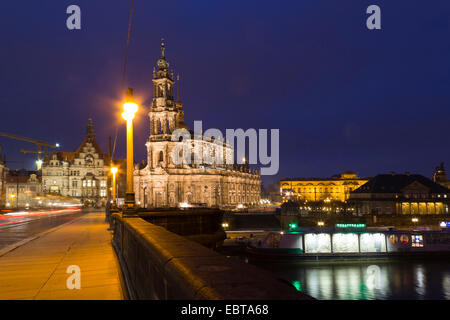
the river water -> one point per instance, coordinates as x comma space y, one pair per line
362, 280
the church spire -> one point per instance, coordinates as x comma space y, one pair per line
90, 134
163, 49
163, 64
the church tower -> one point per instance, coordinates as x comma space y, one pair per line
166, 113
440, 176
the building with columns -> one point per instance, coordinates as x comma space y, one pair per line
161, 182
82, 174
337, 187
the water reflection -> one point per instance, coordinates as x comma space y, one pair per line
364, 280
420, 281
446, 285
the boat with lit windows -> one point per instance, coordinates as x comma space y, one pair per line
350, 242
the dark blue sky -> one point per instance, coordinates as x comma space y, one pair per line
343, 97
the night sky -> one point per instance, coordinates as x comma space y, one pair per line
343, 97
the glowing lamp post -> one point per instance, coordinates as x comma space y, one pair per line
130, 108
12, 200
39, 164
114, 171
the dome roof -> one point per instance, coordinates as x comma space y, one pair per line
163, 64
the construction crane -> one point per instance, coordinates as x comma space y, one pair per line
42, 146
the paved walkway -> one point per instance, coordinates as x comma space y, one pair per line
37, 269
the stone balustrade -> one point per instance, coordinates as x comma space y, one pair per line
158, 264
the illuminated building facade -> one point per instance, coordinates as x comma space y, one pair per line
82, 174
319, 189
410, 194
22, 189
161, 183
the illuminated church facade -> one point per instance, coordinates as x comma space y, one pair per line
162, 182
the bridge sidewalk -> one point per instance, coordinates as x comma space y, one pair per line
37, 269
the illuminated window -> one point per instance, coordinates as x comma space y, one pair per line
317, 243
417, 240
345, 242
89, 183
373, 242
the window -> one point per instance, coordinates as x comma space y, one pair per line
84, 183
102, 183
417, 240
103, 193
89, 182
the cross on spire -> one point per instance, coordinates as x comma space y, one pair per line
163, 49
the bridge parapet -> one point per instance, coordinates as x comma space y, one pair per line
158, 264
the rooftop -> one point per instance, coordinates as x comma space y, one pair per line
395, 183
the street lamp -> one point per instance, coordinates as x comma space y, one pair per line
130, 108
114, 171
12, 200
39, 164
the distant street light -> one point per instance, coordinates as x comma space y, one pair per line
114, 171
130, 108
39, 164
12, 200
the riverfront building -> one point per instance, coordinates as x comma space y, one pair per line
160, 182
337, 187
400, 194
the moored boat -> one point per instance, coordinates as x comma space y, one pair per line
350, 244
